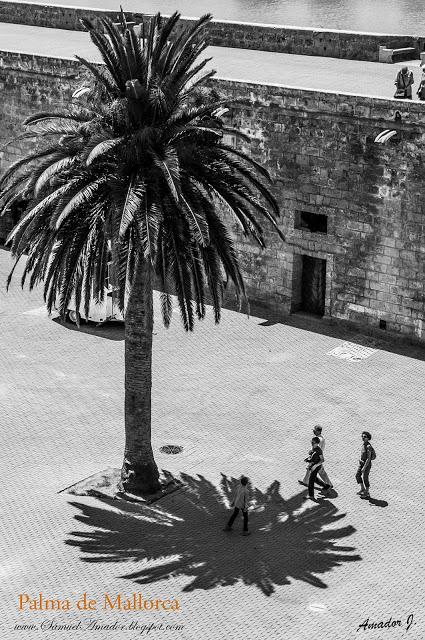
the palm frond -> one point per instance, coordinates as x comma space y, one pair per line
118, 44
196, 223
166, 308
99, 74
79, 114
38, 208
54, 126
102, 148
32, 157
83, 197
248, 160
135, 54
133, 202
109, 57
51, 171
170, 171
17, 186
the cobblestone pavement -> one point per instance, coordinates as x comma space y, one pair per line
309, 72
241, 397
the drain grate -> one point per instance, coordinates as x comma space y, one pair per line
171, 449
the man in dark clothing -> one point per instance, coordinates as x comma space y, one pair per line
365, 464
315, 461
403, 83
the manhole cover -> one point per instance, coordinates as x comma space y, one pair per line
171, 449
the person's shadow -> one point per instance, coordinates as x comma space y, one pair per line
377, 503
181, 535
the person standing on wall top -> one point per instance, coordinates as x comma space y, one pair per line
403, 83
421, 89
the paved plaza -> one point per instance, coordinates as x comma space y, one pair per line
262, 67
241, 397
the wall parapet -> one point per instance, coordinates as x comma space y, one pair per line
242, 35
252, 94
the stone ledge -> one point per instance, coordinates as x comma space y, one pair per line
381, 110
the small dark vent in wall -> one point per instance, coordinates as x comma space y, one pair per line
314, 222
382, 324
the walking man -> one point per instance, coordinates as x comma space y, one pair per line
367, 454
315, 461
240, 502
317, 430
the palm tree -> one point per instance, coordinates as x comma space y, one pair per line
138, 166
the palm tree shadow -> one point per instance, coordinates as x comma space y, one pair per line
182, 536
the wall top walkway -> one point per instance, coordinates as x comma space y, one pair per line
259, 67
264, 37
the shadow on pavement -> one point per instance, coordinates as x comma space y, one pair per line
109, 330
181, 535
344, 330
378, 503
331, 493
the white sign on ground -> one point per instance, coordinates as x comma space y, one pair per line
352, 352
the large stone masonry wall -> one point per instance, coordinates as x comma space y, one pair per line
319, 148
297, 40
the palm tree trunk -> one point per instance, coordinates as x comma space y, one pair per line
139, 473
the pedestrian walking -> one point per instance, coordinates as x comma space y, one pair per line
315, 460
240, 502
403, 83
317, 430
367, 454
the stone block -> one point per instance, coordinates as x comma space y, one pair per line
385, 55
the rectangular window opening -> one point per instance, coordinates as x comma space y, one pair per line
314, 222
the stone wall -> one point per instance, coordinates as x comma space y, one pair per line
319, 148
28, 84
302, 41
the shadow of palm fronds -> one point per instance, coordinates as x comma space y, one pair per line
182, 536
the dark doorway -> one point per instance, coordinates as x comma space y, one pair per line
313, 285
11, 217
17, 209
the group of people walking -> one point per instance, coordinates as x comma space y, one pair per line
315, 474
404, 82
